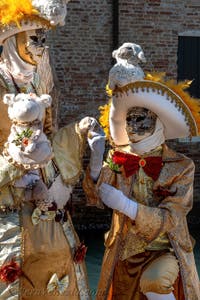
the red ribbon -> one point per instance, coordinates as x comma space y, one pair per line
151, 165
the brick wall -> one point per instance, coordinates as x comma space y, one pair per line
81, 52
156, 24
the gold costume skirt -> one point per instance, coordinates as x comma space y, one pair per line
45, 252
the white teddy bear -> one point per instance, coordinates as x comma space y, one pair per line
127, 69
27, 144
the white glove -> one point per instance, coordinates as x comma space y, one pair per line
28, 180
96, 141
115, 199
59, 192
155, 296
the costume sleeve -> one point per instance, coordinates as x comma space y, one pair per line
151, 221
68, 146
91, 188
48, 127
8, 172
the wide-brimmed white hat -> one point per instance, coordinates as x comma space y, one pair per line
22, 15
178, 112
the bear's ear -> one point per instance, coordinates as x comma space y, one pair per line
115, 53
45, 100
9, 99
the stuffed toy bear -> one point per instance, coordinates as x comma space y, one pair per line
127, 69
27, 144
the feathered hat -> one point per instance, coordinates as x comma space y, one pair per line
179, 113
22, 15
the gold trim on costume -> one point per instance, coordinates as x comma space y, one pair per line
80, 270
22, 246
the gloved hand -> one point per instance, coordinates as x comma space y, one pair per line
96, 141
28, 180
115, 199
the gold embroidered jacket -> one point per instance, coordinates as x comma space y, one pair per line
125, 238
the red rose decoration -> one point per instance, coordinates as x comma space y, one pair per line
10, 272
80, 253
25, 142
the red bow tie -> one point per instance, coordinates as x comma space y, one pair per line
152, 165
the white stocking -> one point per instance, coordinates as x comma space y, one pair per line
154, 296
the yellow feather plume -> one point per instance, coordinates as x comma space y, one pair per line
109, 92
13, 11
158, 77
104, 118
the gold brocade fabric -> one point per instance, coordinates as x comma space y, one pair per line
43, 243
143, 193
48, 128
92, 197
5, 122
68, 148
8, 172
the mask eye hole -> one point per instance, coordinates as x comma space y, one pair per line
34, 38
140, 118
128, 119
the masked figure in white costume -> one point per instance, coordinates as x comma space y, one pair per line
149, 252
41, 257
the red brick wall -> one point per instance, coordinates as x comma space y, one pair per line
82, 49
155, 25
81, 52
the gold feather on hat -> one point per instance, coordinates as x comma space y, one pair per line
13, 11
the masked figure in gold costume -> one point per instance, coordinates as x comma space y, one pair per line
149, 251
41, 257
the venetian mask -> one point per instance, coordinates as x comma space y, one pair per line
31, 45
140, 123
